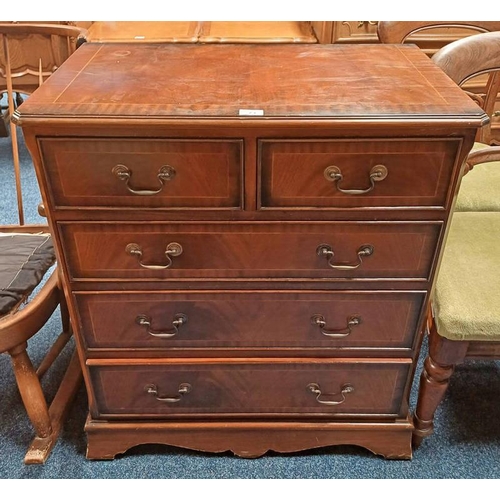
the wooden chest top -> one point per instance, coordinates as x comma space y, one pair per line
369, 82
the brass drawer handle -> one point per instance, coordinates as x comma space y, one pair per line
173, 249
333, 398
122, 172
327, 251
179, 320
153, 390
377, 173
319, 320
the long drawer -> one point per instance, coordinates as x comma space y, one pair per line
147, 173
253, 388
355, 173
235, 320
250, 250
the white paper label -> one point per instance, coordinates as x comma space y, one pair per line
251, 112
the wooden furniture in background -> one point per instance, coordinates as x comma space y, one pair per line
402, 31
366, 32
248, 258
30, 53
345, 31
202, 32
257, 32
464, 317
142, 31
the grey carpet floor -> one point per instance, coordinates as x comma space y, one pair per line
465, 444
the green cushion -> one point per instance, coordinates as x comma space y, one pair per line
480, 188
466, 299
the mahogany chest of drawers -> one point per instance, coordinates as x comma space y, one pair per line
248, 236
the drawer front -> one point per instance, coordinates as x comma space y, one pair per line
145, 173
247, 320
355, 173
252, 388
245, 250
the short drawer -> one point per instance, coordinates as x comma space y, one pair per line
356, 173
250, 250
143, 173
233, 320
296, 388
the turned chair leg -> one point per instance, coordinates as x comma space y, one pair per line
31, 391
40, 448
439, 365
434, 382
47, 421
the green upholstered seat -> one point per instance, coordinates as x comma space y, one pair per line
480, 188
466, 299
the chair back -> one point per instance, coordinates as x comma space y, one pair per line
468, 58
399, 31
29, 53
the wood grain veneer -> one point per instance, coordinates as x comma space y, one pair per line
251, 208
263, 321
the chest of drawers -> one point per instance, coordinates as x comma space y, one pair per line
248, 237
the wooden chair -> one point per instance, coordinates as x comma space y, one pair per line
456, 60
464, 320
461, 61
30, 53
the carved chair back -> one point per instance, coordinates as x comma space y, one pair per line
30, 53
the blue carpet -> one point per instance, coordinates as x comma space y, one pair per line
466, 442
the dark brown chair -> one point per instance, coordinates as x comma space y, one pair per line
28, 54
